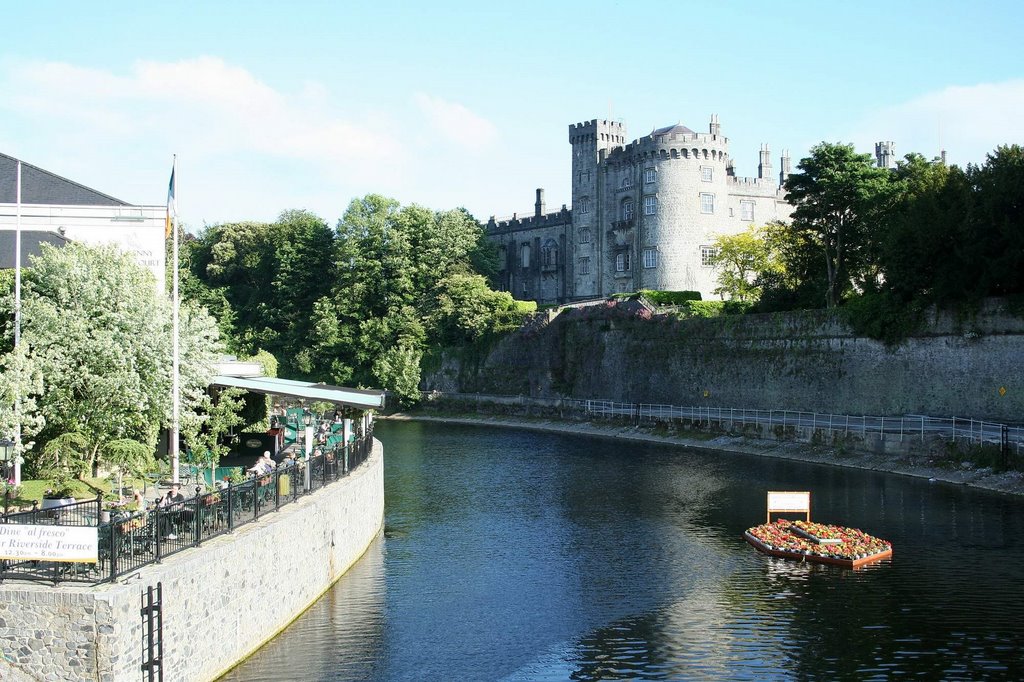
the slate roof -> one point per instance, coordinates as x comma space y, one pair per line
677, 128
39, 186
30, 241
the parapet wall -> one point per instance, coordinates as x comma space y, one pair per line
222, 600
809, 361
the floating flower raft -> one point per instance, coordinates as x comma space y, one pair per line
818, 543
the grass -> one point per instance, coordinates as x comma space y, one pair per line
32, 490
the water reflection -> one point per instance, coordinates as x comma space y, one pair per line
524, 556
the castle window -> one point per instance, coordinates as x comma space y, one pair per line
707, 173
707, 203
622, 262
746, 210
524, 256
650, 205
583, 205
584, 267
649, 175
549, 254
627, 209
708, 255
650, 258
583, 236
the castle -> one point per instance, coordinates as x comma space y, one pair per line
644, 215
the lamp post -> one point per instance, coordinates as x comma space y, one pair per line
6, 454
307, 419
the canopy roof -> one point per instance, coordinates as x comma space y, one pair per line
339, 395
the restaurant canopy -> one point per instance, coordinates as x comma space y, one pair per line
339, 395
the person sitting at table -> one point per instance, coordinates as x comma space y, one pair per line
263, 466
171, 504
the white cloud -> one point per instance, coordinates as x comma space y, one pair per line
247, 149
457, 123
967, 121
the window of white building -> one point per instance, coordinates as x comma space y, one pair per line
584, 266
650, 205
707, 203
746, 210
650, 175
707, 256
622, 262
707, 173
650, 258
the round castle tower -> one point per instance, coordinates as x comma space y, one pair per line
669, 190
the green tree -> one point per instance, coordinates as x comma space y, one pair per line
838, 196
100, 337
739, 258
127, 457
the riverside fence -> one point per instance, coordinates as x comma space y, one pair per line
955, 429
129, 541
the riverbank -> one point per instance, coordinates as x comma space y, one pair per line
1010, 482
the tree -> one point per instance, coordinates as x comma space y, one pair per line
465, 309
998, 218
100, 338
127, 457
838, 195
739, 258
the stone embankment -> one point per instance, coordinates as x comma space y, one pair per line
221, 601
906, 461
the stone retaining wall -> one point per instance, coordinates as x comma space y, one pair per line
222, 600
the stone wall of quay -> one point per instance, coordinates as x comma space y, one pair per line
808, 360
222, 600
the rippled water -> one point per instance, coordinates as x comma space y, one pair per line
514, 555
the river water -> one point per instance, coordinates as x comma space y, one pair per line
519, 555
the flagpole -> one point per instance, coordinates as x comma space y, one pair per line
17, 325
175, 389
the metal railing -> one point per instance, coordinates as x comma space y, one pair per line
956, 429
129, 541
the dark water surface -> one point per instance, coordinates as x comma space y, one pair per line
515, 555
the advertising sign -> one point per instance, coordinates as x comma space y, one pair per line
22, 542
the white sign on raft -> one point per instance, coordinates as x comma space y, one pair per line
22, 542
789, 501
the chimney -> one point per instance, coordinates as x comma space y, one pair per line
539, 206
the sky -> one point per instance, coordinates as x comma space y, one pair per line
271, 106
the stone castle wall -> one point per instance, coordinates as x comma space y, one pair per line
797, 361
222, 600
660, 241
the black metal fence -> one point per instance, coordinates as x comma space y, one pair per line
128, 541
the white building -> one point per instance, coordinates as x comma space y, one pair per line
65, 210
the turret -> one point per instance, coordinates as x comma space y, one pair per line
784, 164
715, 128
885, 154
764, 168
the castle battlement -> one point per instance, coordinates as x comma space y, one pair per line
612, 132
515, 222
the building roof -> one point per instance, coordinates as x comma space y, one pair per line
30, 245
677, 128
338, 395
40, 186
